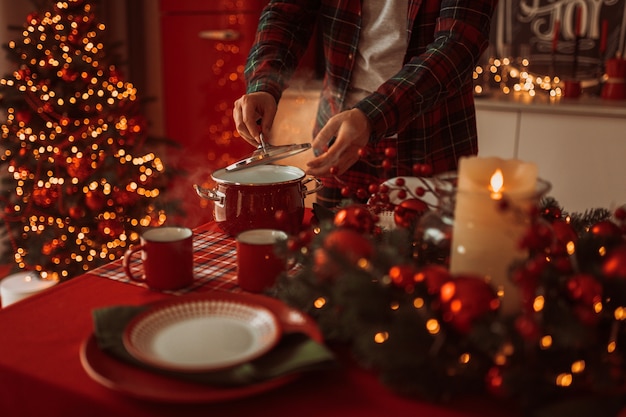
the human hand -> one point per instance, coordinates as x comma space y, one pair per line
351, 130
248, 110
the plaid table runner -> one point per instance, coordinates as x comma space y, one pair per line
215, 265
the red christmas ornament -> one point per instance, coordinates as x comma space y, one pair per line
33, 18
527, 328
48, 248
606, 228
71, 190
114, 75
434, 276
94, 200
408, 211
494, 381
466, 299
79, 168
68, 74
110, 228
586, 315
614, 265
24, 116
538, 236
563, 233
563, 264
584, 288
350, 244
76, 212
355, 217
45, 197
403, 276
324, 268
126, 198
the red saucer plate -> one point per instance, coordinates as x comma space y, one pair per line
139, 383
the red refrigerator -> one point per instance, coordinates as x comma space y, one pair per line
204, 48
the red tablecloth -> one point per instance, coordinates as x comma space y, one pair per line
41, 373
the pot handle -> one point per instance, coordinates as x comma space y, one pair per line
318, 185
208, 194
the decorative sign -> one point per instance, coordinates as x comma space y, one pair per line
560, 36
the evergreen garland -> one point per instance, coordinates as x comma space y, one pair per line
565, 358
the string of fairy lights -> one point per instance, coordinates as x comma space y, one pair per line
69, 142
509, 76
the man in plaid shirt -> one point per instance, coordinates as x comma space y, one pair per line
397, 75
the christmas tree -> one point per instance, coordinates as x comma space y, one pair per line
80, 175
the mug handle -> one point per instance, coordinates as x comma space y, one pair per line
126, 262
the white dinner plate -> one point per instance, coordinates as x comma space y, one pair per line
201, 335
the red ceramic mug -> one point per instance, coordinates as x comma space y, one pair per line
571, 88
166, 257
258, 264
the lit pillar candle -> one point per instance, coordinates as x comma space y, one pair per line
21, 285
485, 238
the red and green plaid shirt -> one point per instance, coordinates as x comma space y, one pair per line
429, 104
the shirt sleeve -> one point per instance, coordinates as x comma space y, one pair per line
442, 70
283, 34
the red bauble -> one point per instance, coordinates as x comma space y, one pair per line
95, 200
587, 315
24, 116
408, 211
614, 265
324, 268
33, 18
606, 228
76, 212
434, 276
79, 168
349, 244
125, 198
563, 234
110, 228
68, 75
45, 197
114, 75
403, 276
494, 381
356, 217
584, 288
538, 236
527, 328
465, 299
48, 248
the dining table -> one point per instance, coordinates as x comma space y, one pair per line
47, 359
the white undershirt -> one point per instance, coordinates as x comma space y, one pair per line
382, 46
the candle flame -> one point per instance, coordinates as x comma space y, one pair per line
496, 184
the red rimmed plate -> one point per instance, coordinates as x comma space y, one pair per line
139, 383
200, 335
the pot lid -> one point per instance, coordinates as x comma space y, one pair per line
267, 153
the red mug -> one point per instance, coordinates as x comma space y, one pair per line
571, 88
615, 86
166, 257
258, 264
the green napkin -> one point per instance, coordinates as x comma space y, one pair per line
295, 352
